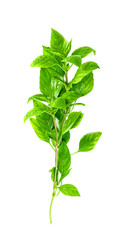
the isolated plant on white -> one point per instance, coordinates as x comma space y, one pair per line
53, 120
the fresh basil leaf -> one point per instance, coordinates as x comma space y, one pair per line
70, 190
38, 97
66, 137
65, 174
68, 49
45, 82
59, 103
53, 174
45, 120
74, 59
63, 158
83, 71
69, 123
83, 51
88, 141
78, 120
44, 61
85, 86
40, 132
58, 42
70, 97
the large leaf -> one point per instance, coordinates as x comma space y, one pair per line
38, 97
45, 82
71, 120
40, 132
63, 158
45, 120
44, 61
58, 42
74, 59
37, 111
59, 103
83, 71
85, 86
83, 51
70, 190
88, 141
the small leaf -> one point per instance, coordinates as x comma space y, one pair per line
69, 123
70, 190
44, 61
83, 51
85, 86
66, 137
68, 49
83, 71
59, 103
40, 132
74, 59
53, 174
38, 97
78, 120
88, 141
58, 42
65, 174
63, 158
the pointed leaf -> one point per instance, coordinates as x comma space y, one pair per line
66, 137
69, 123
58, 42
70, 96
63, 158
65, 174
44, 61
45, 82
83, 51
68, 49
40, 132
78, 120
45, 120
38, 97
88, 141
74, 59
70, 190
59, 103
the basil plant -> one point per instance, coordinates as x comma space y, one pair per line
52, 116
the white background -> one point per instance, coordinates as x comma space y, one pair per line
25, 185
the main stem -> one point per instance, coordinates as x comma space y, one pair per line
56, 149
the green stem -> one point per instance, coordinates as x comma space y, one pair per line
50, 210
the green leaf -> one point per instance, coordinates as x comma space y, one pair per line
63, 158
74, 59
71, 120
58, 42
66, 137
83, 51
85, 86
59, 103
68, 49
88, 141
38, 97
37, 111
45, 120
70, 96
53, 174
40, 132
65, 174
45, 82
70, 190
44, 61
78, 120
83, 71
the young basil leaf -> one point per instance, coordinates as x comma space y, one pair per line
78, 120
59, 103
40, 132
63, 158
66, 137
45, 82
83, 51
58, 42
64, 174
38, 97
68, 49
85, 86
69, 123
70, 190
83, 71
88, 141
74, 59
44, 61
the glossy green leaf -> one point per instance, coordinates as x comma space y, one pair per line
45, 120
83, 51
58, 42
59, 103
45, 82
83, 71
44, 61
38, 97
40, 132
70, 96
88, 141
71, 120
70, 190
65, 174
85, 86
74, 59
66, 137
78, 120
63, 158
